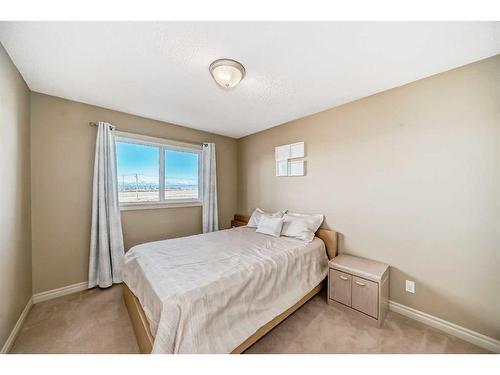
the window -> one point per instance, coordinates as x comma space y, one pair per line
138, 172
157, 172
181, 174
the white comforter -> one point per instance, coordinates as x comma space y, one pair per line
208, 293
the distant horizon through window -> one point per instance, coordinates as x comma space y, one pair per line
138, 173
181, 175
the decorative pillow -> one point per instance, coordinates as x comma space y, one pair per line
301, 226
258, 213
270, 225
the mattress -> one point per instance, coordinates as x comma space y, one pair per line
208, 293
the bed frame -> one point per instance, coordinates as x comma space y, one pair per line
141, 326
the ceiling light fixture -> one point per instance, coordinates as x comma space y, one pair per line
227, 73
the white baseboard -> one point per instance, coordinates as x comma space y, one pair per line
465, 334
59, 292
15, 331
37, 298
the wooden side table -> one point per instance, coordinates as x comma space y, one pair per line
359, 286
239, 221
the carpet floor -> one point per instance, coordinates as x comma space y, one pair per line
96, 321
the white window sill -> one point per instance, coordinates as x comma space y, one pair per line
156, 205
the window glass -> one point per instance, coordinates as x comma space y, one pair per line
181, 175
137, 172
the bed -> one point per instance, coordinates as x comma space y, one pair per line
220, 292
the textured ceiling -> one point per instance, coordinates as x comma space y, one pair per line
160, 69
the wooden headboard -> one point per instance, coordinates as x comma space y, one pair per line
328, 236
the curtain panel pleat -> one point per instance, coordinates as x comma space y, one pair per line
106, 239
210, 222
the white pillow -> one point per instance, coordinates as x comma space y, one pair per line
301, 226
270, 225
258, 213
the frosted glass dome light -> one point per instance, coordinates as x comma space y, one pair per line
227, 73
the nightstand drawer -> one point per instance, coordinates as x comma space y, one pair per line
340, 287
365, 296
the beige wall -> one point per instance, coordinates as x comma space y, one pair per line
15, 225
410, 177
62, 165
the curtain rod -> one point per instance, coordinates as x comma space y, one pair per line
95, 124
91, 123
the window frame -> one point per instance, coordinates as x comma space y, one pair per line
163, 145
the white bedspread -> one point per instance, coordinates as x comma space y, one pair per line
208, 293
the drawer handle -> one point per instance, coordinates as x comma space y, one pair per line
344, 278
360, 283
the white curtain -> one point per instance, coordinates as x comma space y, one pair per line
106, 240
210, 216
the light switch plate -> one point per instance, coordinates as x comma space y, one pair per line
410, 286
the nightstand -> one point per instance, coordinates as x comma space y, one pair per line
359, 286
239, 221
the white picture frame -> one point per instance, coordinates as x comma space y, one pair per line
297, 150
285, 163
282, 152
281, 168
296, 168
